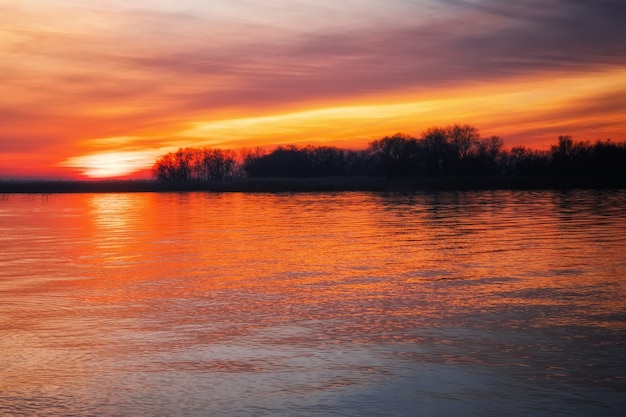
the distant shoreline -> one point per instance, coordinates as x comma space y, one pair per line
329, 184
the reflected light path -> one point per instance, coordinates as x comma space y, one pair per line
313, 304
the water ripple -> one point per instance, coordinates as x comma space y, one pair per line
313, 304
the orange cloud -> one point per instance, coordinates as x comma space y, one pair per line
90, 86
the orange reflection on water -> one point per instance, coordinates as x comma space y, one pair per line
100, 289
285, 257
338, 254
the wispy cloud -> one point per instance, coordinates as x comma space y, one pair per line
74, 70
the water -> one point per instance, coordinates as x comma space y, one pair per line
347, 304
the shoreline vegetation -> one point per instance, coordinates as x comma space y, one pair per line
325, 184
454, 157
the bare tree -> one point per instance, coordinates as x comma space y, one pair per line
196, 164
463, 138
491, 147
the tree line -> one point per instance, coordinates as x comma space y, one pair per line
455, 150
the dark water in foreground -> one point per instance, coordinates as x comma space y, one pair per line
451, 304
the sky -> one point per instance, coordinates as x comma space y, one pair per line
102, 89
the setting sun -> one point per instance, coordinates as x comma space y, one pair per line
111, 164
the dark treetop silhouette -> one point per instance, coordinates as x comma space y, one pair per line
455, 150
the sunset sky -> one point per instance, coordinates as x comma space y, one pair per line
96, 89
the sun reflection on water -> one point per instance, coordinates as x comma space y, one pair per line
282, 297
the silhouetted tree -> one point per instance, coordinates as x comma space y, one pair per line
284, 161
440, 151
562, 155
395, 156
358, 163
451, 150
196, 164
521, 160
608, 158
488, 155
572, 158
219, 164
327, 161
309, 161
437, 151
174, 166
463, 139
252, 165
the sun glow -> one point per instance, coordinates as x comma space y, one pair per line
112, 164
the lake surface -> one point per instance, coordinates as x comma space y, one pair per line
499, 303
